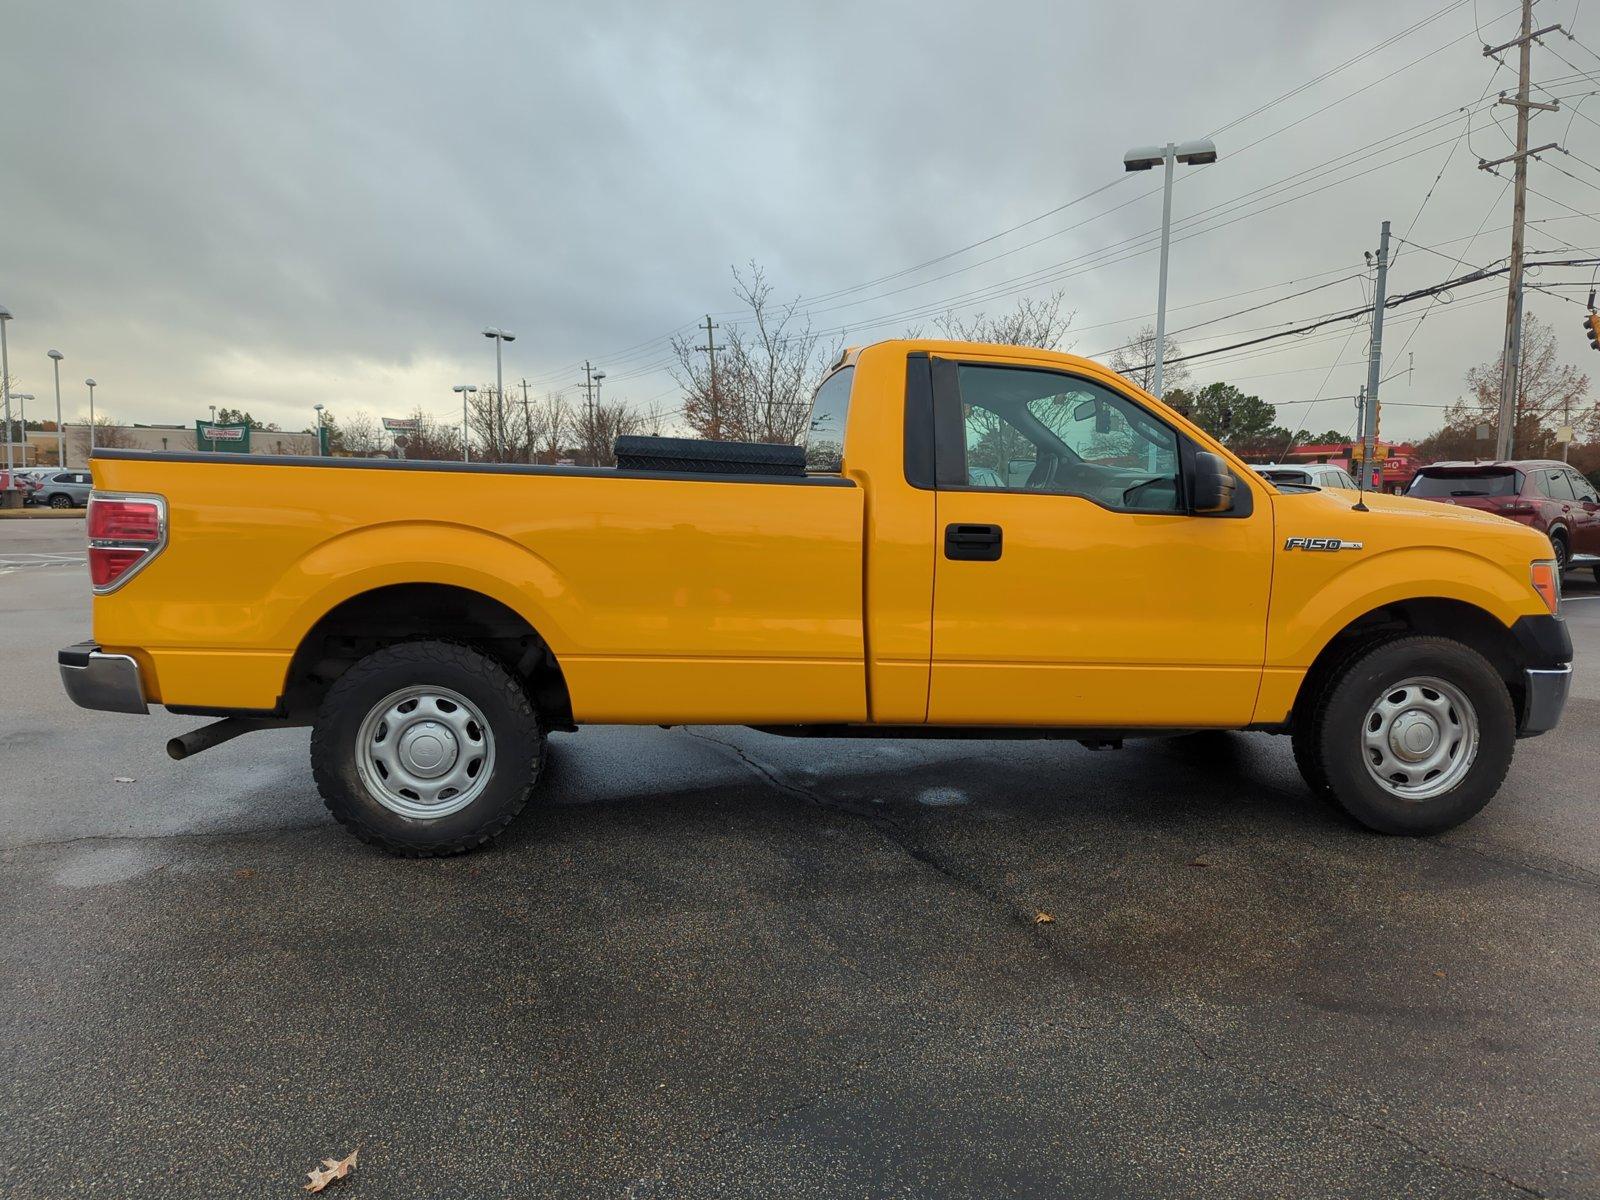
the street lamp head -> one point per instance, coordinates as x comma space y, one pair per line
5, 313
499, 333
55, 354
1192, 154
1144, 158
318, 407
22, 395
599, 375
91, 383
465, 387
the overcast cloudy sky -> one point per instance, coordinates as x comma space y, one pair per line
266, 205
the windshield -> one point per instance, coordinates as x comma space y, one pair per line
1466, 483
1299, 477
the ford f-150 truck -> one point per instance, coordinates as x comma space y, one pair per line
980, 541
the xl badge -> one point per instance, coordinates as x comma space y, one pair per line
1300, 543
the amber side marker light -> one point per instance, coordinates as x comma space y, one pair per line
1547, 582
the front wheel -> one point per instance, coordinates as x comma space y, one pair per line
426, 748
1412, 737
1558, 546
60, 501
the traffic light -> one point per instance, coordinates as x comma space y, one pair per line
1591, 326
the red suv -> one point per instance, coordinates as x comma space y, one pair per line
1547, 495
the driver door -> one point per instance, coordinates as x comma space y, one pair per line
1072, 587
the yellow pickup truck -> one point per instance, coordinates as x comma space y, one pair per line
977, 541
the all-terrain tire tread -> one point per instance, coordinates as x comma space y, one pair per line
324, 753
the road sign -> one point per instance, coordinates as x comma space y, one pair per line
232, 438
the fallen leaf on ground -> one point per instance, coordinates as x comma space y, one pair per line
1043, 918
245, 873
1199, 862
330, 1170
124, 779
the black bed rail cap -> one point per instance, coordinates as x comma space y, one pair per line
635, 453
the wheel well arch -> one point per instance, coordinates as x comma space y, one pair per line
408, 612
1435, 615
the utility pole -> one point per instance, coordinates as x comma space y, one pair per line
1511, 347
588, 429
527, 419
710, 351
1369, 411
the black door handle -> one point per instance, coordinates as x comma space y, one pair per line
974, 543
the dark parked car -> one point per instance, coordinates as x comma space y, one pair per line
1548, 496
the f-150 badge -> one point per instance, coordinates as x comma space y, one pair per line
1300, 543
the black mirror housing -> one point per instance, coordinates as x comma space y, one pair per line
1211, 485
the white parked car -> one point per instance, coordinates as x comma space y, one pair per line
1322, 475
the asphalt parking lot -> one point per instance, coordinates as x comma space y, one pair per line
719, 963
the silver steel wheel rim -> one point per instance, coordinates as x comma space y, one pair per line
1420, 738
425, 752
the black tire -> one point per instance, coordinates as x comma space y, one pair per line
1596, 574
1301, 735
517, 739
1563, 553
60, 500
1333, 738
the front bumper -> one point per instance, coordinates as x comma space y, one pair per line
1545, 696
94, 679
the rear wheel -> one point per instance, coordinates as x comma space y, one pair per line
59, 500
1413, 736
426, 748
1558, 543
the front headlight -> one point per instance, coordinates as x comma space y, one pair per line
1546, 581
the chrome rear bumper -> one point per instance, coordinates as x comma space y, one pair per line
94, 679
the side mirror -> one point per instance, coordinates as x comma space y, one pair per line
1211, 490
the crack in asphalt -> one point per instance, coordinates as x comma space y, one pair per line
892, 831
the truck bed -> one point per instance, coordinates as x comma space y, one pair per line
739, 595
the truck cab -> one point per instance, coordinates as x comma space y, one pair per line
978, 540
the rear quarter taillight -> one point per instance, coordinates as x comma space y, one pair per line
125, 532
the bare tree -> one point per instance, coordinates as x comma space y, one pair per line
767, 369
1136, 362
361, 434
432, 440
596, 428
1550, 394
549, 426
108, 435
1038, 323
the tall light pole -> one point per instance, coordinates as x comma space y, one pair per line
61, 433
501, 337
317, 408
594, 422
466, 389
1193, 154
5, 379
22, 399
91, 385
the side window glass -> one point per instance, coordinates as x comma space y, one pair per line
1583, 488
1045, 431
1541, 483
1560, 486
825, 431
